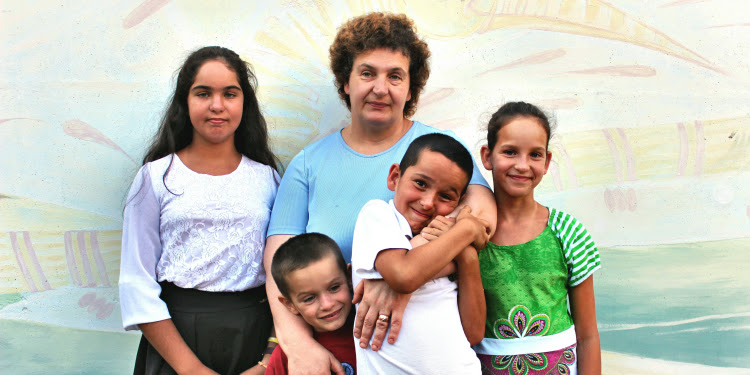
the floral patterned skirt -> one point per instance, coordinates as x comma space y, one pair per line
558, 362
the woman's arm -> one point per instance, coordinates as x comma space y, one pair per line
583, 310
163, 336
406, 271
306, 356
471, 303
482, 203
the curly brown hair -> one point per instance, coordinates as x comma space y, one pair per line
372, 31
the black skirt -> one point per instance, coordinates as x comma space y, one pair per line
227, 331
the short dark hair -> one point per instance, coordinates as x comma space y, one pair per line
510, 111
372, 31
443, 144
299, 252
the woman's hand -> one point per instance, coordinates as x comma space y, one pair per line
376, 298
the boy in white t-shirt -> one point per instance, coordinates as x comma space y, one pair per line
443, 318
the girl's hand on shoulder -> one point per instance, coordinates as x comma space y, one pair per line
478, 228
438, 226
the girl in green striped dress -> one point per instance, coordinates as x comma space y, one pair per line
538, 260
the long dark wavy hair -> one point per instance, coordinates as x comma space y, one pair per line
176, 130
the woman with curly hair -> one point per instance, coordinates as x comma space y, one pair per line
380, 66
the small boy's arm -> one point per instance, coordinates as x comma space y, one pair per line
471, 302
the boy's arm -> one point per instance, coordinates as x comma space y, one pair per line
435, 229
406, 271
305, 355
583, 310
471, 303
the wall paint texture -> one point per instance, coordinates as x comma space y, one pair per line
651, 152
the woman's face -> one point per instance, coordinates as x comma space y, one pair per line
215, 103
378, 87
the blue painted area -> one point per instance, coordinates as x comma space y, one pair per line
685, 303
35, 348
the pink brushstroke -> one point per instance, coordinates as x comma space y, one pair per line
614, 153
629, 156
631, 199
70, 258
700, 148
99, 260
21, 263
435, 97
2, 120
620, 71
85, 132
729, 25
533, 59
682, 164
86, 299
561, 103
609, 200
683, 2
143, 11
573, 178
34, 261
85, 260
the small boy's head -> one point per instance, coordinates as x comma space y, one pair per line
312, 278
431, 179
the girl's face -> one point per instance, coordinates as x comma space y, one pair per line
520, 157
378, 87
215, 103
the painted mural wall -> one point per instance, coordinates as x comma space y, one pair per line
652, 151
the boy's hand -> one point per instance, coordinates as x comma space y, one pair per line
480, 229
438, 226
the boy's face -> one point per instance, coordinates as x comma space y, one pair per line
320, 294
429, 188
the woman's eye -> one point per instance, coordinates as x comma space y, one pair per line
230, 95
395, 77
366, 74
202, 94
335, 288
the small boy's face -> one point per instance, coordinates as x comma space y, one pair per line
320, 294
429, 188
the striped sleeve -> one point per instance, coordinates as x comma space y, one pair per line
579, 250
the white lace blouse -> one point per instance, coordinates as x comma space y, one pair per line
194, 230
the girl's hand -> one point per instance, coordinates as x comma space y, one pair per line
479, 228
438, 226
376, 298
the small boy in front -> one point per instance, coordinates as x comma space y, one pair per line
312, 278
442, 318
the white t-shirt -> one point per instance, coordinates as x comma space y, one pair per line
195, 230
432, 340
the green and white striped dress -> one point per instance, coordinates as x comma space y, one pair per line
528, 327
